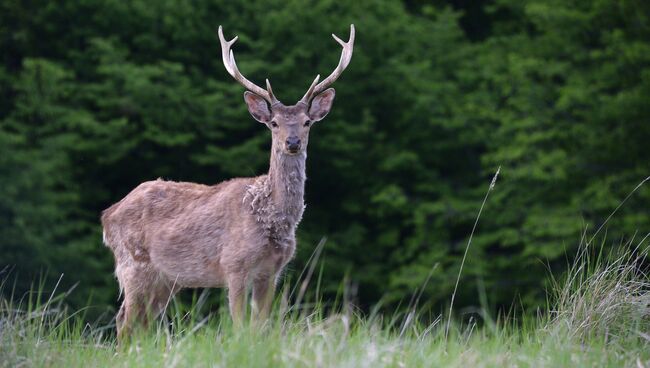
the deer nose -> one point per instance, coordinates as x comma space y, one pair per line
293, 144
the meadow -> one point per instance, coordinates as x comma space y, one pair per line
598, 314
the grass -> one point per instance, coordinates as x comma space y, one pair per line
598, 315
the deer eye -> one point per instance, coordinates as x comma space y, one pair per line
274, 124
307, 123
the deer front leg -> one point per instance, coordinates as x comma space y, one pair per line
263, 291
237, 298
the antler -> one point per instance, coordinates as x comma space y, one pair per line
231, 66
346, 55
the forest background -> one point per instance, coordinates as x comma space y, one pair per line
99, 96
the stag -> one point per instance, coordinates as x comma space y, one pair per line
168, 235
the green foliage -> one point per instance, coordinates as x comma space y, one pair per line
97, 97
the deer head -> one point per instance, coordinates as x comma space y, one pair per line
289, 125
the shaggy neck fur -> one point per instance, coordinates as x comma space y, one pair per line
277, 199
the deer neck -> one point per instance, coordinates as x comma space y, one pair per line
287, 183
276, 200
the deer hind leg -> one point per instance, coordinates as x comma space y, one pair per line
132, 306
129, 315
159, 298
146, 295
140, 309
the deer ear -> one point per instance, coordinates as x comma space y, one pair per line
258, 107
321, 104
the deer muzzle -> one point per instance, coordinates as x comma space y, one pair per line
293, 144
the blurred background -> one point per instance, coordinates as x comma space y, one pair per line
99, 96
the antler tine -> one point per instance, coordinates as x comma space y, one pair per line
305, 99
346, 56
231, 66
270, 91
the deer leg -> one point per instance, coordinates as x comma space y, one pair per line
263, 291
130, 311
145, 296
159, 299
120, 318
237, 298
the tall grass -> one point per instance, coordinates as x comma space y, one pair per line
598, 315
469, 242
604, 296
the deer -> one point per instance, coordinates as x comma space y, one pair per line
238, 234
